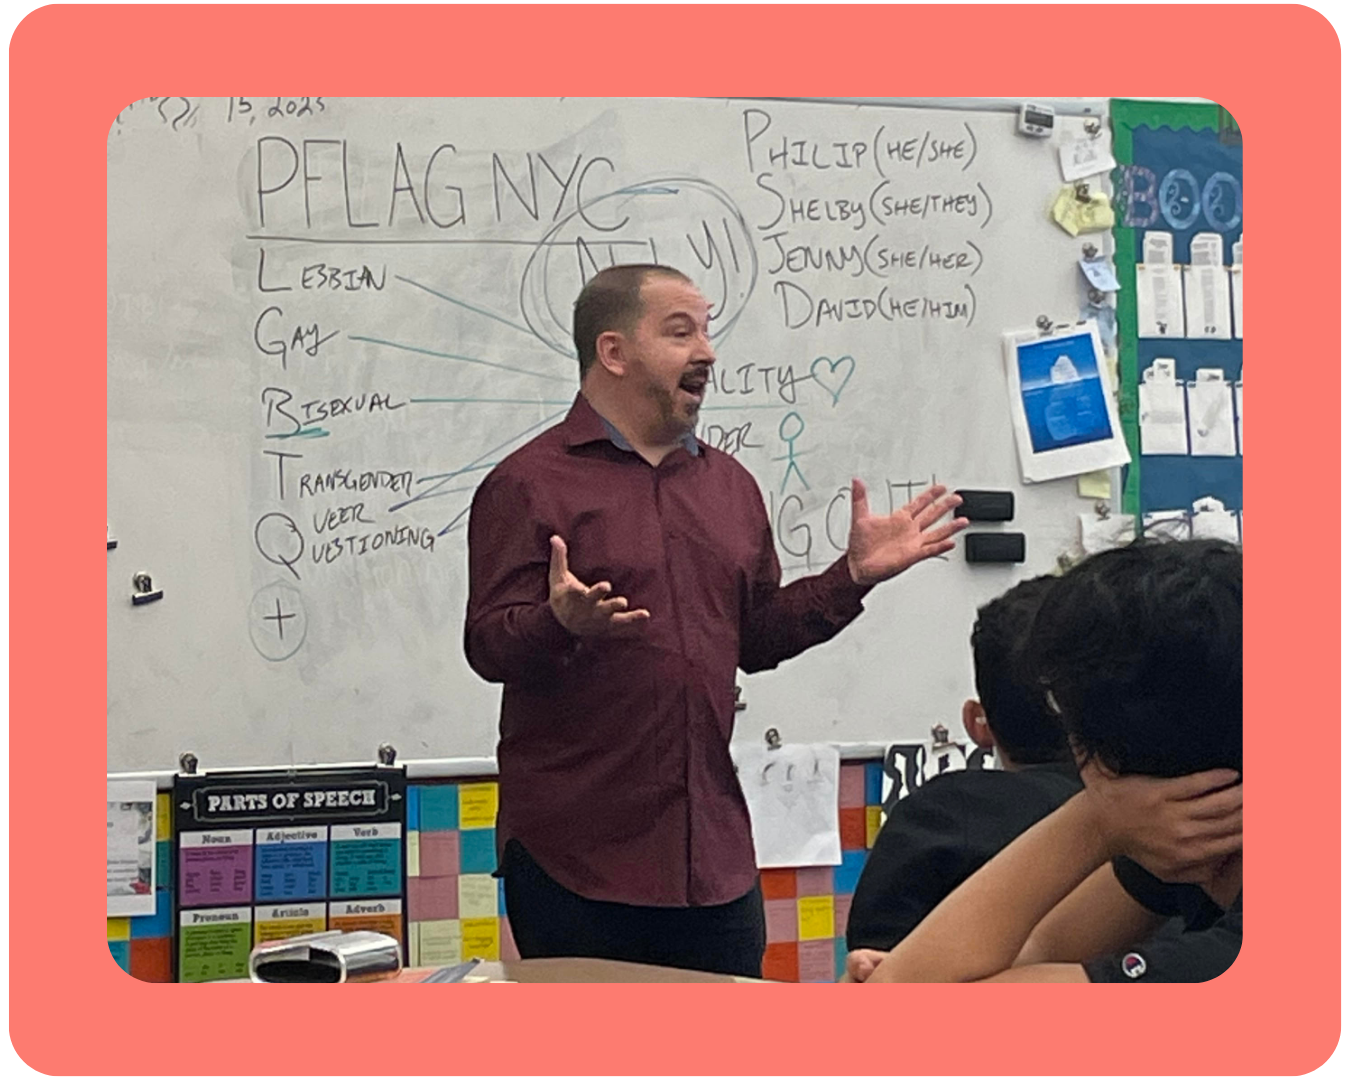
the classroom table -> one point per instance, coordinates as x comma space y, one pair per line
575, 970
562, 970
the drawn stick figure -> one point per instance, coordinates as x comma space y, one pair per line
789, 430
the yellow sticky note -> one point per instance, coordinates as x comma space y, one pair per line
873, 824
414, 934
1095, 485
1076, 215
815, 917
477, 806
439, 941
414, 853
1096, 213
119, 929
482, 938
1064, 210
163, 816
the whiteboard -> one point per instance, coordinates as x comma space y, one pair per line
327, 318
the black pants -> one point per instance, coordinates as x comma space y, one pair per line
548, 920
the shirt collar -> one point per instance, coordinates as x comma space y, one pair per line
585, 425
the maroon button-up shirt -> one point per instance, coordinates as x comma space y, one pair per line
613, 759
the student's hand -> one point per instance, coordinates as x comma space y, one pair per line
860, 963
586, 611
882, 545
1177, 829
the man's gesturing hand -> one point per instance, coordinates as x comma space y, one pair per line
586, 611
882, 545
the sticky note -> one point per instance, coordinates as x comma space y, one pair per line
482, 938
438, 807
1094, 485
873, 825
815, 961
163, 816
438, 854
477, 896
852, 786
846, 875
815, 917
477, 806
440, 941
780, 920
152, 959
873, 790
214, 943
414, 853
413, 959
366, 860
477, 851
121, 952
164, 864
160, 924
276, 921
413, 802
119, 929
433, 898
815, 880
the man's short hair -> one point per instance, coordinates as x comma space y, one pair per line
1141, 648
612, 300
1028, 733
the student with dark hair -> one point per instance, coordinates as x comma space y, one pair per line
1140, 652
953, 824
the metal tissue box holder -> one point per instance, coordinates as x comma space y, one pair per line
332, 956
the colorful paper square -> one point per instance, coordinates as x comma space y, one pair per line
121, 952
815, 917
815, 961
440, 854
440, 941
482, 938
366, 860
119, 929
780, 920
852, 785
477, 896
160, 924
164, 864
815, 880
842, 906
413, 803
152, 959
478, 806
163, 816
872, 789
840, 956
414, 957
501, 897
847, 873
509, 949
853, 828
873, 826
414, 854
778, 884
477, 851
780, 962
433, 898
438, 807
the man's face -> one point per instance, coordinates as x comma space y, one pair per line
669, 355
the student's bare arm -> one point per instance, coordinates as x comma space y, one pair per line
1097, 918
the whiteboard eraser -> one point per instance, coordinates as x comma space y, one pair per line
996, 547
1038, 120
985, 505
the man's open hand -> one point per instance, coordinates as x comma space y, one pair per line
587, 611
882, 545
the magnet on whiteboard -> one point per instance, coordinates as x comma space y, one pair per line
111, 542
143, 590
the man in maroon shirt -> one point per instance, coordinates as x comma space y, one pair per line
620, 571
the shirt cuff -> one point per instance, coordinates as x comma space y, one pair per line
840, 583
543, 629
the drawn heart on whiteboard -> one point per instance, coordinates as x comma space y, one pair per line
829, 380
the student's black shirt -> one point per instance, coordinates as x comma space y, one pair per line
1200, 943
941, 834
